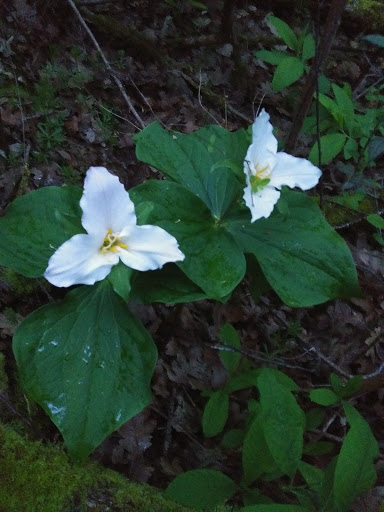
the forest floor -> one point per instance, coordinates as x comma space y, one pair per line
185, 66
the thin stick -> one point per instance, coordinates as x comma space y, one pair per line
109, 68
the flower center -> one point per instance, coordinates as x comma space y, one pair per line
260, 179
112, 243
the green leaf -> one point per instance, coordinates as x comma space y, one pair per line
351, 148
318, 448
355, 472
206, 161
287, 72
285, 32
309, 48
332, 107
352, 386
305, 261
283, 422
215, 413
313, 476
243, 380
275, 507
88, 372
201, 488
314, 418
257, 458
324, 396
272, 57
376, 39
376, 220
232, 439
330, 144
35, 225
230, 360
120, 279
169, 285
213, 260
346, 107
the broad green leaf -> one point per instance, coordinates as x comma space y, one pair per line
35, 225
346, 107
309, 49
213, 260
305, 261
283, 422
324, 396
215, 413
275, 507
272, 57
285, 32
257, 458
376, 220
88, 362
287, 72
312, 475
169, 285
355, 472
330, 144
243, 380
229, 335
206, 161
283, 379
201, 488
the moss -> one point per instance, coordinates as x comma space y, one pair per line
369, 12
40, 478
20, 285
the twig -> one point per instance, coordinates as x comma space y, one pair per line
109, 67
331, 437
246, 353
330, 363
333, 19
200, 102
310, 347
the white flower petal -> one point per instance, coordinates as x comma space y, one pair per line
105, 203
79, 261
262, 203
262, 133
294, 172
149, 248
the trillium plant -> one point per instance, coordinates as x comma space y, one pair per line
223, 211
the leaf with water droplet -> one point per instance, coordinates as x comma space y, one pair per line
94, 371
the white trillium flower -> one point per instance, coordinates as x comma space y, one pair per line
267, 170
112, 235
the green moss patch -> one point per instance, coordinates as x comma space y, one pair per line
39, 478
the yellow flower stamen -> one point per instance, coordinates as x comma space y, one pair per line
112, 243
260, 173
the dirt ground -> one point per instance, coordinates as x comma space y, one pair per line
186, 66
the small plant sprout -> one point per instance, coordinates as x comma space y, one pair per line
112, 235
267, 171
